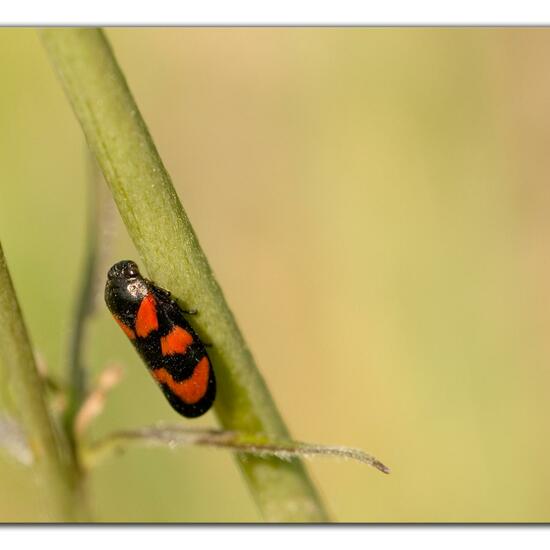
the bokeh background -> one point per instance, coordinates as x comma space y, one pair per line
377, 198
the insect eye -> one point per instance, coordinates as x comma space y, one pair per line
131, 270
125, 269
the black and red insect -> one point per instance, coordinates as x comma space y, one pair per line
156, 325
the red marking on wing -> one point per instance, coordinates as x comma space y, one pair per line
176, 341
191, 390
146, 318
127, 330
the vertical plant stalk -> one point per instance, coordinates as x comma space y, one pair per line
97, 214
57, 473
76, 387
165, 239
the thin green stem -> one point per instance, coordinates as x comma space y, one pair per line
99, 213
58, 475
255, 445
165, 239
76, 387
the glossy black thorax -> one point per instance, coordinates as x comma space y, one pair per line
124, 290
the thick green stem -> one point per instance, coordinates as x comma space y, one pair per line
58, 476
163, 235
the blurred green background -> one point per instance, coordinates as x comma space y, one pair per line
375, 204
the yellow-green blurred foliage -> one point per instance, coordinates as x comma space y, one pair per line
375, 204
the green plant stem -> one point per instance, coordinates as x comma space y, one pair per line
174, 436
58, 476
163, 235
76, 387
